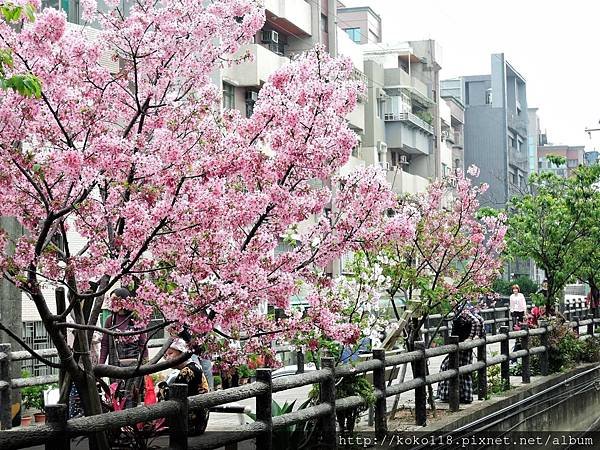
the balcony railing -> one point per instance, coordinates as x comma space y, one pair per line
410, 118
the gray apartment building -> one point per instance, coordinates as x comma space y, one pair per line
496, 127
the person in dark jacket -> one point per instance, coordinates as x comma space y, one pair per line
124, 351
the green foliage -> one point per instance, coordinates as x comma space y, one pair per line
27, 85
293, 436
495, 384
557, 160
425, 116
244, 371
15, 13
217, 380
349, 386
526, 284
33, 396
557, 225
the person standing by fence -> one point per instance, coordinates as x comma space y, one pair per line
517, 305
124, 351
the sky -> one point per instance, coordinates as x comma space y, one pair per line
554, 44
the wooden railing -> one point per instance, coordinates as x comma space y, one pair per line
58, 431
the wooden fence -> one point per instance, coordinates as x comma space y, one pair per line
58, 431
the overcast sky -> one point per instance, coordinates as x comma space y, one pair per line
554, 44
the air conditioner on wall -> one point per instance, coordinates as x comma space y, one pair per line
381, 147
270, 37
251, 96
403, 160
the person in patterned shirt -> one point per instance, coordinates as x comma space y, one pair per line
190, 373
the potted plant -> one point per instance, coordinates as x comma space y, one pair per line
32, 398
244, 373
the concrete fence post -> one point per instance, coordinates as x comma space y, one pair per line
544, 339
482, 373
453, 383
263, 409
5, 389
505, 365
327, 394
525, 361
299, 361
178, 422
56, 416
420, 368
380, 403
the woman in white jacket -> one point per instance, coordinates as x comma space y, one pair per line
518, 307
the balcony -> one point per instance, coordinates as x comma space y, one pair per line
404, 182
405, 135
411, 119
290, 14
516, 123
398, 78
257, 70
457, 139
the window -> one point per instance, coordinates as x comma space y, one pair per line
324, 24
379, 108
513, 178
572, 163
228, 96
354, 34
511, 142
488, 96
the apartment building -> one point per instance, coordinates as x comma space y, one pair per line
403, 113
574, 155
496, 127
452, 116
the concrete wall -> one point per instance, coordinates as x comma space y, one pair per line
374, 126
562, 403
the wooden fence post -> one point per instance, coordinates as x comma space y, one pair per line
56, 415
453, 383
420, 366
505, 365
299, 361
495, 324
178, 422
327, 394
525, 366
263, 410
590, 327
380, 403
482, 373
5, 389
507, 318
544, 339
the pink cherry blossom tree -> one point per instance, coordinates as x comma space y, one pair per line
166, 191
453, 255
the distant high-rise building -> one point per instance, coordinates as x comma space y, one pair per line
496, 127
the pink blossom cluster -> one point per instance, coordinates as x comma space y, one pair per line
169, 192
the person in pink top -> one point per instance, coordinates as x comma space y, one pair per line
517, 305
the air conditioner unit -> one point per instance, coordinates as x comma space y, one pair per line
251, 96
384, 165
382, 95
445, 134
403, 159
381, 147
270, 37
